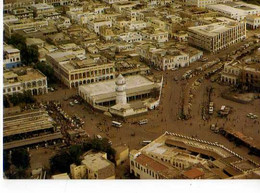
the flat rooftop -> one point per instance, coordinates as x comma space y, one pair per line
27, 122
96, 161
105, 90
214, 29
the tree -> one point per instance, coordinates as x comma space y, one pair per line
20, 158
5, 101
75, 152
47, 70
29, 54
25, 97
6, 161
61, 162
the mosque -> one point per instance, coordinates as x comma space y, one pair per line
125, 96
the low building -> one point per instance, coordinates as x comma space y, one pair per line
29, 129
215, 37
24, 79
174, 156
75, 70
78, 172
12, 57
104, 93
122, 153
98, 166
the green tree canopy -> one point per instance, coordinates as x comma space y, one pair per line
20, 158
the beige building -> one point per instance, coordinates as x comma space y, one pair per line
174, 156
164, 59
231, 73
24, 79
63, 176
204, 3
217, 36
98, 166
95, 24
253, 21
75, 70
28, 25
122, 154
78, 172
9, 5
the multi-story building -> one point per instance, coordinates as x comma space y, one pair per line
95, 24
28, 25
164, 59
204, 3
22, 13
253, 21
217, 36
43, 10
155, 35
131, 37
114, 1
174, 156
236, 10
58, 2
9, 5
24, 79
12, 57
74, 71
251, 76
231, 73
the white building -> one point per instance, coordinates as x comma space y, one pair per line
22, 79
204, 3
236, 10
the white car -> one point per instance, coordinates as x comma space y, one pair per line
76, 102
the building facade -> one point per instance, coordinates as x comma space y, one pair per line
217, 36
20, 80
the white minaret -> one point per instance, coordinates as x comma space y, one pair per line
120, 90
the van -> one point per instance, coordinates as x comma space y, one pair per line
143, 121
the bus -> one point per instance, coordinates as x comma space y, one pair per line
116, 124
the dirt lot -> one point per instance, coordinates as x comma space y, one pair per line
165, 118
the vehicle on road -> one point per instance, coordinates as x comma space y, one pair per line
71, 104
144, 143
143, 121
116, 124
